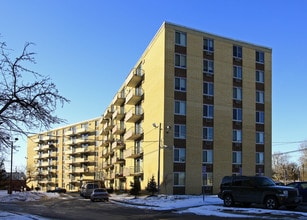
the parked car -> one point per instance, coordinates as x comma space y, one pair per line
100, 194
246, 190
302, 189
87, 189
57, 190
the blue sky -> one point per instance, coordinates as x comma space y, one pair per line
89, 47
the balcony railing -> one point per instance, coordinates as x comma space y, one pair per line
135, 77
134, 96
134, 133
119, 98
134, 114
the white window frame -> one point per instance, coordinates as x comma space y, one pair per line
208, 156
237, 52
259, 158
208, 66
208, 133
236, 157
180, 84
182, 59
260, 97
259, 76
259, 137
208, 45
179, 178
180, 107
181, 152
181, 133
237, 136
237, 72
260, 117
181, 38
237, 114
260, 57
208, 111
208, 179
237, 93
209, 87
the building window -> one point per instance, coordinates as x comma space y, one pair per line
259, 56
181, 38
180, 107
208, 45
260, 97
180, 60
260, 117
208, 89
208, 133
237, 114
180, 131
180, 84
207, 156
237, 52
237, 93
208, 66
237, 136
208, 111
179, 179
259, 137
208, 179
259, 76
179, 155
259, 158
237, 157
237, 72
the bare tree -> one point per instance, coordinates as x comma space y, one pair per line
28, 100
280, 162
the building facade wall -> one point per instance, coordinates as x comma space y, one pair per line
151, 116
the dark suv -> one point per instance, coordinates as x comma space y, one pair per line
246, 190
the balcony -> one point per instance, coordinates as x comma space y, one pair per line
108, 113
109, 176
134, 96
103, 132
118, 114
69, 133
108, 126
135, 77
133, 133
134, 114
47, 155
133, 171
119, 129
133, 153
116, 160
79, 170
119, 99
106, 153
76, 161
118, 145
82, 130
102, 120
69, 142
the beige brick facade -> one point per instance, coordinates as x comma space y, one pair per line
167, 87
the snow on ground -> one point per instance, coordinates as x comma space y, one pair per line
210, 205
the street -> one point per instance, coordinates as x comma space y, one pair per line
72, 206
78, 208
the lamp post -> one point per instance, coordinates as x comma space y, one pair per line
11, 176
159, 152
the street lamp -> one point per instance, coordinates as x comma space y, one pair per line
159, 149
11, 176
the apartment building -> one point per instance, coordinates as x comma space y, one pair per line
195, 107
